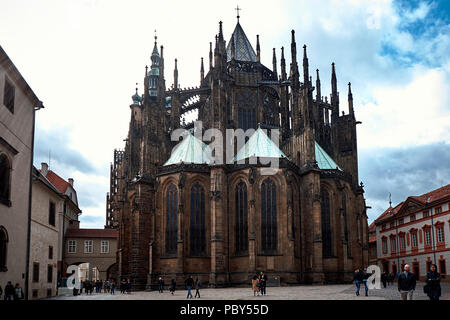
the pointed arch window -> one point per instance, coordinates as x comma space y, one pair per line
3, 249
241, 214
327, 249
268, 217
346, 231
246, 111
171, 219
197, 223
5, 180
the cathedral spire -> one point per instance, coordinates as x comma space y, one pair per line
305, 66
202, 72
294, 67
333, 79
210, 56
318, 89
274, 63
334, 93
283, 65
175, 75
258, 49
350, 99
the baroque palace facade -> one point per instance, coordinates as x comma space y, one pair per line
183, 213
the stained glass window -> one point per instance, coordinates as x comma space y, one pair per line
171, 220
197, 224
241, 225
326, 224
268, 216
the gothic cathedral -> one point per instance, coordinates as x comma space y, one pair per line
180, 214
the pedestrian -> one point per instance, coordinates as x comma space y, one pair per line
384, 279
365, 280
406, 283
160, 285
18, 292
433, 286
100, 286
123, 283
189, 282
358, 277
128, 286
255, 285
9, 291
197, 287
113, 286
262, 283
173, 286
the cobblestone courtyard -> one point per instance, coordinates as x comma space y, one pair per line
325, 292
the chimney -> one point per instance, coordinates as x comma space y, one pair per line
44, 168
71, 181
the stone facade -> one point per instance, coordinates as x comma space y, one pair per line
17, 115
416, 232
47, 207
77, 251
183, 218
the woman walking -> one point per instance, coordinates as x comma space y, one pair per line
255, 285
433, 286
197, 287
172, 287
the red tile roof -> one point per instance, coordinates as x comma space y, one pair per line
92, 233
434, 195
57, 181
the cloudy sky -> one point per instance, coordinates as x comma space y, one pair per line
83, 59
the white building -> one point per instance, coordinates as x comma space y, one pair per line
18, 104
416, 232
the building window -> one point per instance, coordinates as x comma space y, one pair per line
35, 272
197, 223
241, 224
383, 227
5, 180
9, 95
402, 242
104, 248
393, 244
438, 210
171, 219
35, 293
269, 241
385, 245
440, 233
49, 293
326, 224
88, 246
414, 239
442, 267
50, 252
72, 246
246, 111
428, 237
413, 218
426, 214
49, 273
51, 214
3, 249
392, 225
401, 221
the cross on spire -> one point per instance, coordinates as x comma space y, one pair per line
156, 37
237, 10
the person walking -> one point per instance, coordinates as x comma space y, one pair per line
433, 286
358, 277
384, 279
366, 276
189, 282
18, 292
128, 286
255, 285
122, 286
9, 291
160, 285
406, 283
113, 286
173, 286
197, 288
262, 283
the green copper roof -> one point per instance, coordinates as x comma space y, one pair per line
190, 150
259, 145
324, 161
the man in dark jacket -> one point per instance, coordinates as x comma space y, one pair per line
262, 283
189, 282
358, 277
9, 291
433, 286
406, 283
